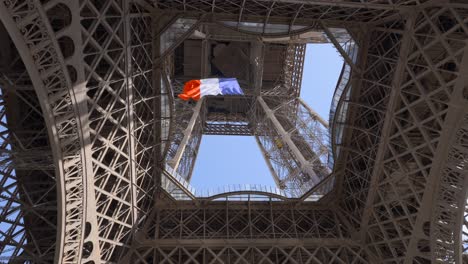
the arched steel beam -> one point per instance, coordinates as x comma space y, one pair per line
247, 193
29, 29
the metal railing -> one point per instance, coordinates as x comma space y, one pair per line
238, 188
339, 106
180, 189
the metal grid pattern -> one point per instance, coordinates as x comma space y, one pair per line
272, 228
413, 137
401, 182
28, 226
288, 82
292, 140
142, 101
362, 131
368, 11
118, 69
187, 135
37, 44
251, 254
254, 223
418, 133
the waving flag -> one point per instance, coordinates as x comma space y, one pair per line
196, 89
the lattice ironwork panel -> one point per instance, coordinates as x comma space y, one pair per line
118, 64
252, 254
89, 120
367, 104
28, 199
240, 222
352, 11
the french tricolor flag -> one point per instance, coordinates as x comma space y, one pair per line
196, 89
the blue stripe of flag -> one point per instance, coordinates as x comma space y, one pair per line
229, 86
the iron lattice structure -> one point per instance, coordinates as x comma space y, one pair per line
97, 152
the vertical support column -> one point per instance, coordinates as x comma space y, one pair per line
314, 114
175, 161
448, 168
204, 58
130, 110
285, 136
394, 96
267, 160
165, 22
256, 60
157, 28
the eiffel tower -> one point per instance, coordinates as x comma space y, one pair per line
97, 151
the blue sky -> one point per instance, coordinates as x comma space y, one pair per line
225, 160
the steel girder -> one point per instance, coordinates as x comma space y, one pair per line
84, 61
406, 118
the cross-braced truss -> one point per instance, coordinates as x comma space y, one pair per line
90, 122
28, 197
